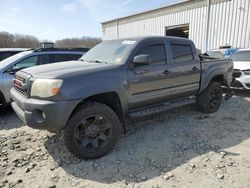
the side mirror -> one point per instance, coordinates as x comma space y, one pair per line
13, 70
142, 59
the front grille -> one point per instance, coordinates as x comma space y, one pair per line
236, 73
20, 85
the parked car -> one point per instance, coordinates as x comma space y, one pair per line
92, 99
7, 52
241, 72
222, 53
11, 65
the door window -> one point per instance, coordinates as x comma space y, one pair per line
181, 53
64, 57
25, 63
43, 59
28, 62
156, 52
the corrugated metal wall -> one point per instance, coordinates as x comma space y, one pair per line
229, 24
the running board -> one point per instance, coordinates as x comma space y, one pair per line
160, 108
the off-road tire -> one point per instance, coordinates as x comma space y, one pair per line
209, 100
88, 109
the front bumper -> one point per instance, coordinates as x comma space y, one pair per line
242, 82
41, 114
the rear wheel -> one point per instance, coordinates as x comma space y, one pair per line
2, 100
93, 131
209, 100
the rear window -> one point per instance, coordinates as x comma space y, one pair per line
181, 53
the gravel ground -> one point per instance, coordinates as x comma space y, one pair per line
182, 148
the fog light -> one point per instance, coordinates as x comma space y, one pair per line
38, 116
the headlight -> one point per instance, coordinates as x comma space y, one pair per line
45, 88
247, 72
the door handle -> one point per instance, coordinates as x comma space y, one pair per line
195, 69
142, 71
166, 72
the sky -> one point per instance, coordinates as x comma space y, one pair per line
57, 19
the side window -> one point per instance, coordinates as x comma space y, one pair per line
63, 57
181, 53
4, 55
156, 52
70, 57
25, 63
43, 59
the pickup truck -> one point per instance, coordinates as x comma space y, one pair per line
92, 99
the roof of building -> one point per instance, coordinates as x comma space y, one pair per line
174, 7
150, 10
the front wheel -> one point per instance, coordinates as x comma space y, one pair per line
209, 100
93, 131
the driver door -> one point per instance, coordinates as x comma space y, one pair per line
149, 84
8, 75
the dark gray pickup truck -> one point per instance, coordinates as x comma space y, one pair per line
92, 99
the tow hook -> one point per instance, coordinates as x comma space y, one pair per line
229, 93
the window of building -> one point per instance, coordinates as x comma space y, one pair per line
178, 31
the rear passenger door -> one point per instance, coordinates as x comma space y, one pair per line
185, 69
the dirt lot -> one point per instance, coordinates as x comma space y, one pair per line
182, 148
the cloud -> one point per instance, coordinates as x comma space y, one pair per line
70, 7
102, 10
125, 3
15, 9
47, 32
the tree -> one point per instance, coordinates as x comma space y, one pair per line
8, 40
84, 42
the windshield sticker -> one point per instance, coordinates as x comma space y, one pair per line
118, 59
128, 42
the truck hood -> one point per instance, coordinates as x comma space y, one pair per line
242, 65
64, 69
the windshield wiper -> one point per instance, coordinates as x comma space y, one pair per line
97, 61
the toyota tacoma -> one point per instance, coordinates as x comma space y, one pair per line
92, 99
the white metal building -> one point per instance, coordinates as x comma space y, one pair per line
209, 23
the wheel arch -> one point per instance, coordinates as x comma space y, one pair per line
111, 99
217, 77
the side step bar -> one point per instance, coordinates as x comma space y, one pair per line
160, 108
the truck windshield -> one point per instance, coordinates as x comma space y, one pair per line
241, 56
110, 52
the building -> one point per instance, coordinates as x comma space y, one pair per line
46, 45
209, 23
